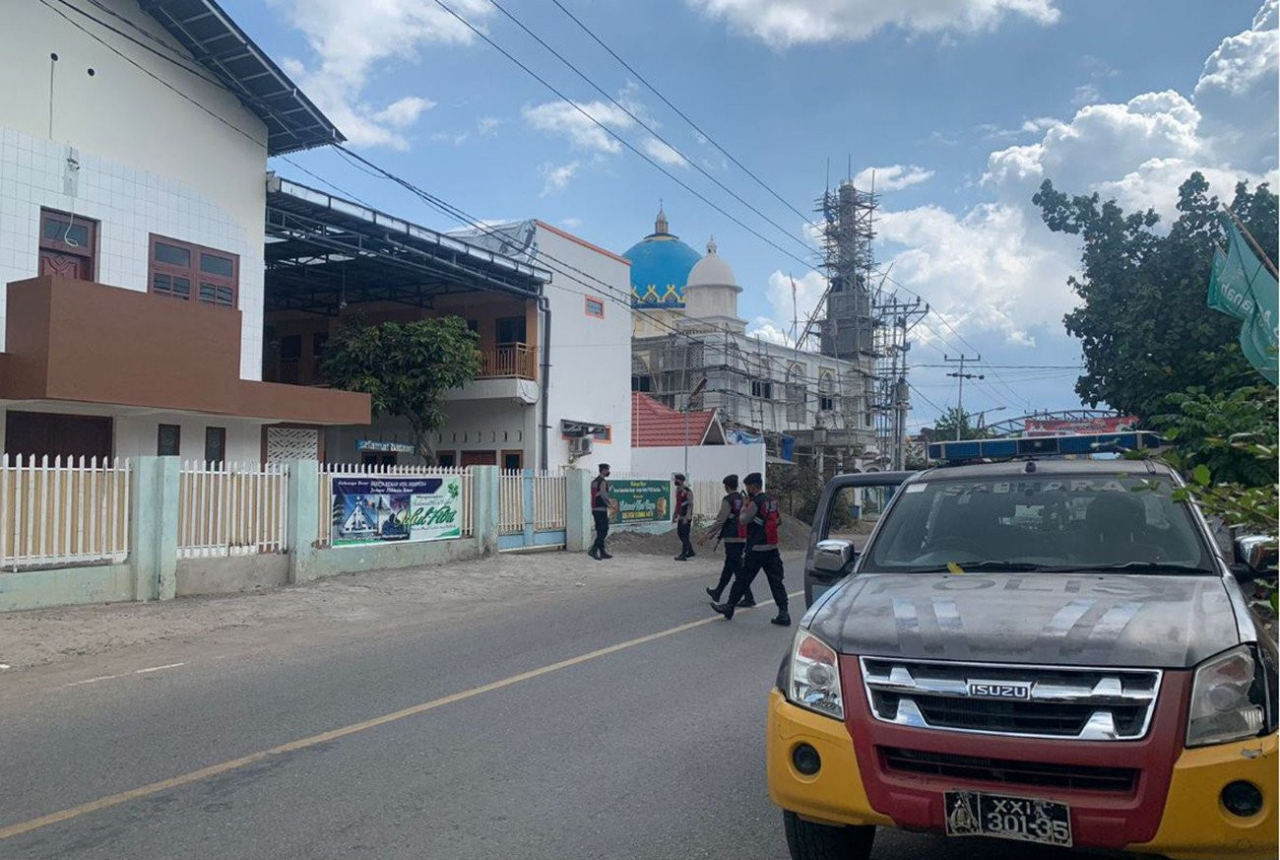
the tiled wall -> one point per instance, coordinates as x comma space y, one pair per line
129, 205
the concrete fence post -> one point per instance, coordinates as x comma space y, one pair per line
153, 525
303, 528
578, 524
485, 484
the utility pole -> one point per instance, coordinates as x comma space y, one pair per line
962, 376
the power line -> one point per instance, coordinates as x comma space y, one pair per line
679, 112
113, 49
485, 37
789, 234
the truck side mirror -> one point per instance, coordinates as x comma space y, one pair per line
833, 555
1256, 557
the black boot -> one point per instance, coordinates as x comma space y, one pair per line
714, 595
747, 602
594, 552
782, 619
604, 554
682, 557
725, 609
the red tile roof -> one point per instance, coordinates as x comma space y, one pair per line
654, 425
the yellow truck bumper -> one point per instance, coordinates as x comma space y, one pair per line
834, 794
1195, 826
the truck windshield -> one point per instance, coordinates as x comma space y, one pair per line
1106, 523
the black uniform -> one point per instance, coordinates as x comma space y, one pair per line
684, 521
600, 513
761, 554
726, 528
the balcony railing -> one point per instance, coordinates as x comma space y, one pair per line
511, 361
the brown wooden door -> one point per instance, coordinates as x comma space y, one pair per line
65, 265
37, 434
479, 458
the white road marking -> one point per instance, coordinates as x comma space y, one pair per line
124, 674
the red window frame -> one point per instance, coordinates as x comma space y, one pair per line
88, 251
198, 283
588, 301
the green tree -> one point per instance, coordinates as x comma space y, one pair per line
945, 428
1143, 323
406, 369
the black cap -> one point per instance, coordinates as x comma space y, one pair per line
731, 481
753, 480
604, 467
679, 477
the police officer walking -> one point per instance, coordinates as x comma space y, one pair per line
761, 518
600, 504
725, 530
683, 517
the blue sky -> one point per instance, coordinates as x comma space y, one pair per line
961, 106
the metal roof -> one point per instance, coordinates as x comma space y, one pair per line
323, 251
216, 42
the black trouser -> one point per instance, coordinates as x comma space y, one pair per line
732, 567
770, 562
602, 529
683, 527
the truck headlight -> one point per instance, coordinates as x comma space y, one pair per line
1227, 699
814, 680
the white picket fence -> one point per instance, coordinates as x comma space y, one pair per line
231, 509
549, 490
328, 471
511, 501
549, 500
63, 511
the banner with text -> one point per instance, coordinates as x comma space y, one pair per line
640, 501
369, 510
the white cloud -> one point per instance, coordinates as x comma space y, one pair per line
995, 271
571, 223
891, 178
1086, 94
767, 330
558, 177
351, 39
662, 153
488, 125
565, 120
784, 23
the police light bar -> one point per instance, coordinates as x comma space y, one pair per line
1041, 446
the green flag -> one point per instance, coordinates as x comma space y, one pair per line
1240, 285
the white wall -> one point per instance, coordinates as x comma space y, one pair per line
590, 357
136, 436
706, 462
135, 433
150, 161
473, 425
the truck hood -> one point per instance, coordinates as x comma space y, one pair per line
1138, 621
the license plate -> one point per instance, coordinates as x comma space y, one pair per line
970, 813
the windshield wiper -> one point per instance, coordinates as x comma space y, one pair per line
967, 566
1174, 567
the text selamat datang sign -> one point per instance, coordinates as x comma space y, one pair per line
640, 501
369, 510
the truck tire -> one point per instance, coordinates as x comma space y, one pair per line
810, 841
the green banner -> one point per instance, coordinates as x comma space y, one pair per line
640, 502
380, 510
1240, 285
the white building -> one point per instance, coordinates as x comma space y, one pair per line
132, 192
820, 402
554, 337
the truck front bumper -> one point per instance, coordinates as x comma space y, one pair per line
1194, 824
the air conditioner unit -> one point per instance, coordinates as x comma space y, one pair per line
580, 446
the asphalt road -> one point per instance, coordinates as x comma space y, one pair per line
649, 750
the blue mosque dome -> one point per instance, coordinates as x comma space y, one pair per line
660, 265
